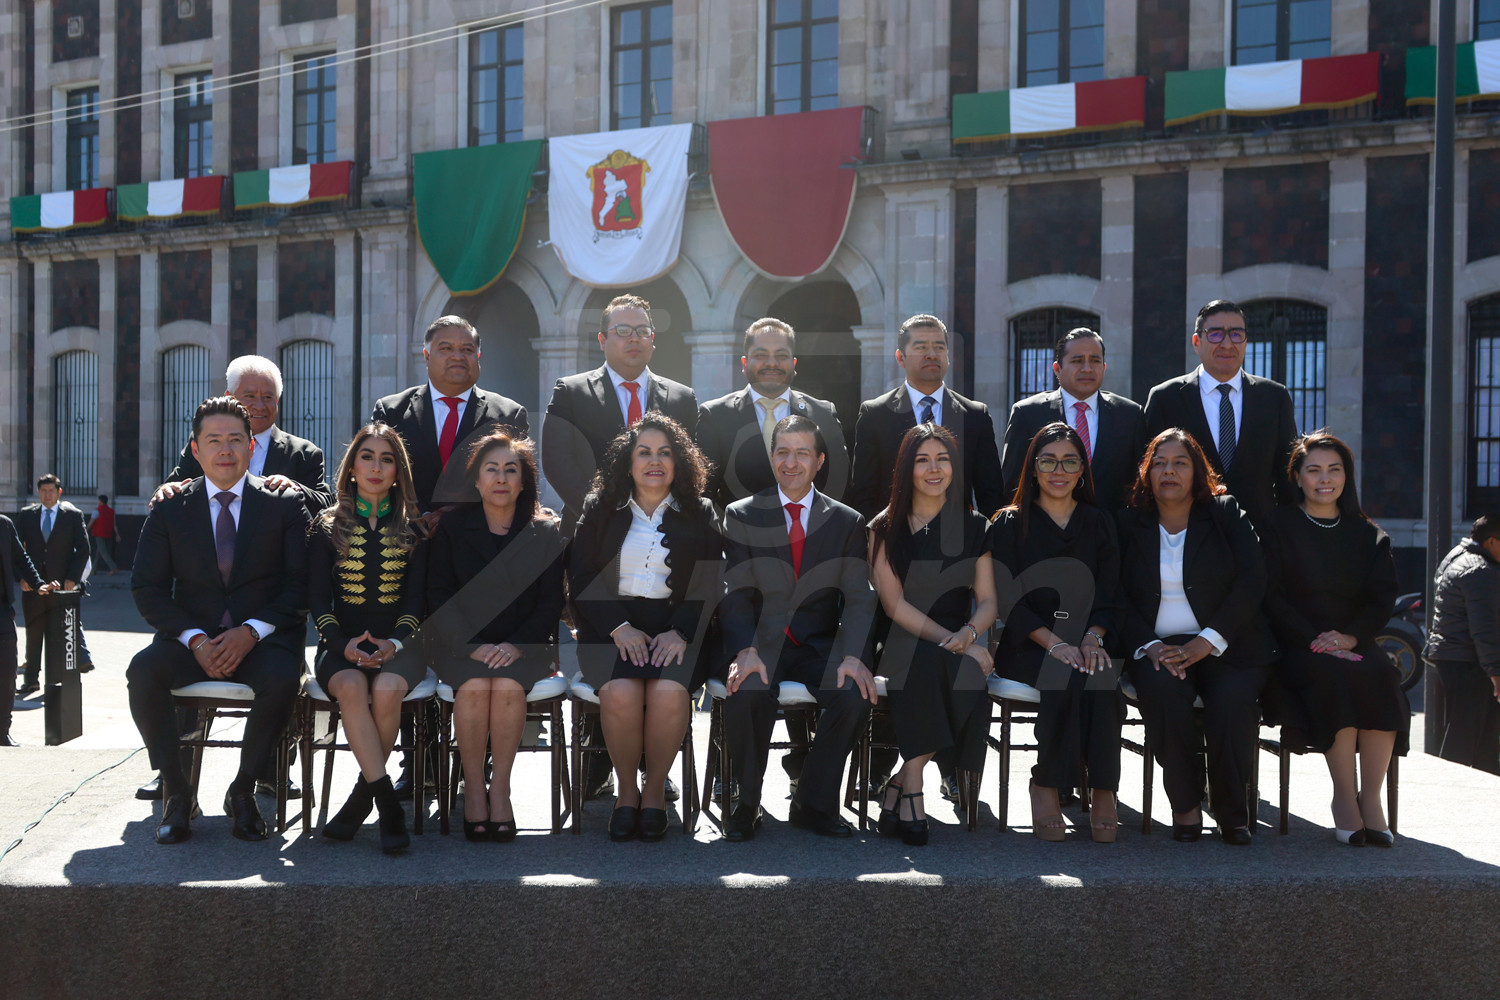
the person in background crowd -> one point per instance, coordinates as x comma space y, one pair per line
56, 539
1463, 648
1331, 586
15, 565
104, 534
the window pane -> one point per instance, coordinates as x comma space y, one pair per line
513, 119
1085, 48
825, 8
515, 43
661, 21
488, 47
1254, 32
661, 99
825, 78
786, 46
628, 66
1041, 15
628, 101
1085, 13
1486, 20
787, 10
787, 82
513, 82
628, 27
1311, 20
485, 86
825, 41
1041, 51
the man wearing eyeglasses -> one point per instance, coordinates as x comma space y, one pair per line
589, 409
1245, 424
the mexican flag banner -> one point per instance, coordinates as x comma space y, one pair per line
284, 187
1477, 73
616, 200
169, 199
1266, 88
60, 210
1050, 110
471, 209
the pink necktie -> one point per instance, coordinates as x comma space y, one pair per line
1081, 425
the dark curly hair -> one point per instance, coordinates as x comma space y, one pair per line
520, 445
612, 484
1205, 480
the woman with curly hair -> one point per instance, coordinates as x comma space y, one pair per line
644, 562
495, 586
366, 574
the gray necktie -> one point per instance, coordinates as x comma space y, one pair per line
224, 543
1226, 430
46, 524
927, 404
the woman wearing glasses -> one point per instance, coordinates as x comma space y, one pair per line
1194, 578
1057, 567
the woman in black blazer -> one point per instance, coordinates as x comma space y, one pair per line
1194, 578
645, 560
495, 586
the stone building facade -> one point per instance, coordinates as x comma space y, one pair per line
1318, 219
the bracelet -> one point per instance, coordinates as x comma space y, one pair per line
1091, 634
201, 635
1056, 644
973, 632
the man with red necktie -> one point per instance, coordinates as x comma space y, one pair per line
589, 409
436, 420
1113, 427
797, 607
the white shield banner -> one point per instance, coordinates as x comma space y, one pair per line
615, 202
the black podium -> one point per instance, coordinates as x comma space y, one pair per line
63, 691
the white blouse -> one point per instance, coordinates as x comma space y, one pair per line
1174, 615
643, 562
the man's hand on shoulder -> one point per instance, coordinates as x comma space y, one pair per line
167, 491
280, 483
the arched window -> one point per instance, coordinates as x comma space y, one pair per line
75, 419
1034, 336
184, 384
1289, 344
307, 393
1483, 432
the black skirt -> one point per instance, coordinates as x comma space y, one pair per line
601, 661
331, 661
1322, 694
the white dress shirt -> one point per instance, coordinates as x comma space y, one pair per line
238, 489
258, 457
937, 405
440, 409
643, 562
623, 395
1090, 415
806, 512
1174, 615
1208, 390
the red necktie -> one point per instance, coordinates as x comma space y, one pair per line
797, 537
634, 414
1081, 425
450, 428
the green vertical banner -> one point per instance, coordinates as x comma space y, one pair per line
471, 208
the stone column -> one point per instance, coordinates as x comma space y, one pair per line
992, 381
150, 446
104, 474
41, 363
877, 360
12, 378
1344, 368
1116, 298
344, 389
716, 363
1205, 248
558, 354
266, 292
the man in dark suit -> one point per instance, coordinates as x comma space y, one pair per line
285, 461
56, 539
437, 420
922, 352
1113, 427
1245, 425
220, 574
15, 565
797, 607
734, 431
588, 410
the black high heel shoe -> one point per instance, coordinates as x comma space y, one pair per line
889, 824
913, 831
1379, 838
624, 823
477, 831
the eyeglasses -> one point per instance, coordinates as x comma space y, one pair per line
1216, 334
1047, 464
622, 332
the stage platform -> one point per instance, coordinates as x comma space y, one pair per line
93, 908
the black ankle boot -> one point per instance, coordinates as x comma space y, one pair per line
393, 835
347, 821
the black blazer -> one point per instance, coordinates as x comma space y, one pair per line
729, 436
830, 607
695, 556
411, 413
583, 417
64, 554
176, 582
1117, 452
478, 592
288, 455
15, 564
1268, 426
1223, 572
884, 420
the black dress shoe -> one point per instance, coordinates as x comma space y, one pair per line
28, 689
623, 822
269, 788
7, 740
86, 666
743, 823
150, 791
1237, 837
806, 818
653, 825
1187, 833
174, 828
246, 814
1379, 838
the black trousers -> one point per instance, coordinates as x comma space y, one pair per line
272, 672
1471, 716
750, 716
7, 666
1078, 726
1231, 725
34, 609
